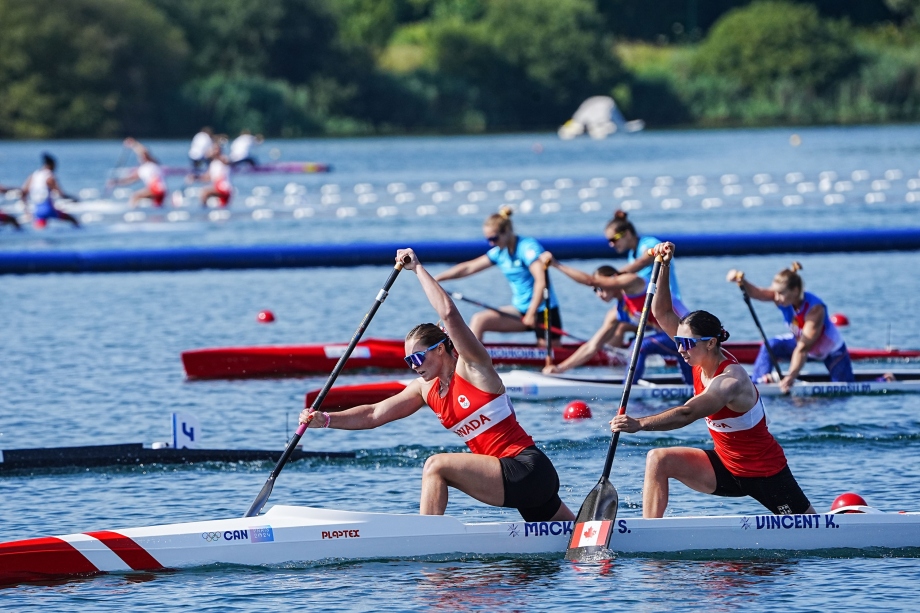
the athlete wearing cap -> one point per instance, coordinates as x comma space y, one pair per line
746, 460
457, 380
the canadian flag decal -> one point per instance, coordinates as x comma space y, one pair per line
591, 534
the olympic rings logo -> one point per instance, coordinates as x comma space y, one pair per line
211, 536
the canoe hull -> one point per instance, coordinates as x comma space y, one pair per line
303, 535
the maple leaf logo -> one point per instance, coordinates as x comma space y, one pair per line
589, 532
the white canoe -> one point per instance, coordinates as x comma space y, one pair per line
522, 384
290, 535
529, 385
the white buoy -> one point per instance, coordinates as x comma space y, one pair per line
468, 209
806, 187
880, 185
176, 216
254, 201
346, 211
761, 178
660, 190
387, 211
404, 198
587, 192
463, 186
530, 184
304, 212
894, 174
439, 197
220, 215
696, 190
563, 184
329, 188
363, 188
597, 182
514, 194
664, 180
729, 179
732, 189
294, 189
622, 192
875, 198
769, 188
396, 188
260, 214
135, 216
631, 205
549, 207
751, 201
912, 197
792, 200
590, 206
427, 209
832, 199
526, 206
828, 175
366, 198
550, 194
860, 175
496, 186
330, 199
696, 180
843, 186
293, 200
88, 193
477, 196
794, 177
913, 184
671, 203
630, 182
711, 203
430, 186
262, 191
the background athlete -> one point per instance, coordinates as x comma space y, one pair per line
40, 188
747, 460
148, 171
457, 380
812, 333
518, 259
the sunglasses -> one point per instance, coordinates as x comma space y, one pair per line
418, 358
688, 342
616, 237
493, 238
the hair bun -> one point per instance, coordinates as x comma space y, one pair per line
723, 335
506, 211
796, 267
620, 215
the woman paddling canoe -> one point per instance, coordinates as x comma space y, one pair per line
747, 460
608, 285
813, 334
457, 380
518, 259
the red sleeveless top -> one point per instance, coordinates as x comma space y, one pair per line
485, 422
742, 441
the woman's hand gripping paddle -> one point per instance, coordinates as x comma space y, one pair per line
262, 498
766, 341
547, 332
594, 522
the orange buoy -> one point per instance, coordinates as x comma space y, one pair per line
840, 320
577, 409
265, 317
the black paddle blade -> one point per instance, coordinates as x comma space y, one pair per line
594, 523
262, 498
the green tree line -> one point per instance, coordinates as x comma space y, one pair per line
103, 68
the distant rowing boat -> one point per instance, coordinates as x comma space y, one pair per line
528, 385
290, 535
387, 354
269, 168
132, 454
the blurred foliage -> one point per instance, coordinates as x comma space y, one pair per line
310, 67
87, 67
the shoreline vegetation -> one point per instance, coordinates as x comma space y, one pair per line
294, 68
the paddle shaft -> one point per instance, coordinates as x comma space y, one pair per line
263, 496
554, 330
122, 158
766, 341
633, 361
547, 333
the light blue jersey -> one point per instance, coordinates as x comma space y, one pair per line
646, 243
516, 268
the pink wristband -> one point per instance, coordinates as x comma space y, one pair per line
328, 418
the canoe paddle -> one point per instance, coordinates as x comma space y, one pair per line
113, 174
554, 330
547, 332
262, 498
766, 341
594, 522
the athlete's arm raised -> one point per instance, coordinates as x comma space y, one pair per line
662, 307
811, 332
474, 363
757, 293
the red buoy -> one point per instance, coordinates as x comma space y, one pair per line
576, 410
840, 320
849, 499
265, 317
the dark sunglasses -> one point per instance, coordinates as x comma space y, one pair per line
598, 290
687, 342
418, 358
493, 238
615, 237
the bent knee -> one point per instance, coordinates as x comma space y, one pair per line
435, 465
660, 460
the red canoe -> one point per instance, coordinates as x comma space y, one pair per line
387, 354
382, 354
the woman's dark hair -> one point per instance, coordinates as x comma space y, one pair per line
48, 160
606, 271
790, 278
429, 334
705, 323
620, 223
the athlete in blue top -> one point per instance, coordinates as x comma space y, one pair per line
813, 334
621, 235
519, 260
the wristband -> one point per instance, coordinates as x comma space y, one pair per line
328, 418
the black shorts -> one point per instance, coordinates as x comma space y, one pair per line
531, 485
555, 321
779, 493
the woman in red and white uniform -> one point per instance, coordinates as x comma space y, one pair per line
457, 380
747, 460
148, 171
219, 176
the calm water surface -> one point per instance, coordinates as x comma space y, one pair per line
95, 359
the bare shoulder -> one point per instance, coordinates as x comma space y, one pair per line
737, 389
